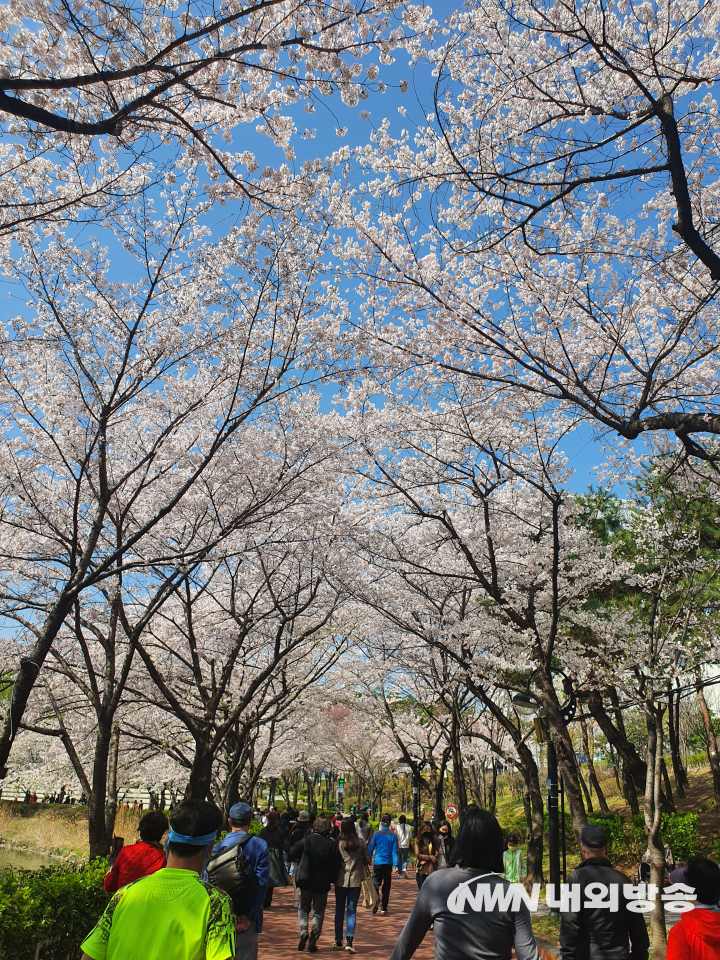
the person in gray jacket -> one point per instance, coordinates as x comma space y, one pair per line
599, 933
352, 872
461, 903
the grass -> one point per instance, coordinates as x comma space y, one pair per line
58, 830
547, 928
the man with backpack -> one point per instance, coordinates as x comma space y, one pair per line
240, 865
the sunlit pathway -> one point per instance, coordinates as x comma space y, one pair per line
375, 936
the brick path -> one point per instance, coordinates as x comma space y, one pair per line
375, 936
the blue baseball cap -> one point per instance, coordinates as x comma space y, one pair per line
241, 811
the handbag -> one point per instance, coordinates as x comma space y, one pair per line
368, 891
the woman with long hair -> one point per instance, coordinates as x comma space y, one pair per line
444, 841
355, 860
425, 853
273, 836
469, 920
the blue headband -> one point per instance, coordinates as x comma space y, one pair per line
175, 837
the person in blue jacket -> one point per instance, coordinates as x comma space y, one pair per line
384, 846
257, 852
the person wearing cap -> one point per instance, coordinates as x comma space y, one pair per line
172, 914
297, 833
249, 923
384, 847
598, 933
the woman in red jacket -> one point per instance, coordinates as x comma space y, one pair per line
697, 935
141, 858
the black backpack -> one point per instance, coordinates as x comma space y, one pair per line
231, 871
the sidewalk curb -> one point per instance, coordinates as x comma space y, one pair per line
547, 951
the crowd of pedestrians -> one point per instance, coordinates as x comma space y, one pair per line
194, 898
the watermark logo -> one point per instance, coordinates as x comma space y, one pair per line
638, 898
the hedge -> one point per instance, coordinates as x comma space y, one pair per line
54, 907
627, 840
681, 831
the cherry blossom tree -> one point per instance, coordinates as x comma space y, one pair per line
241, 638
550, 222
98, 102
473, 496
119, 395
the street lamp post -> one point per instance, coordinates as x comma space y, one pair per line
553, 815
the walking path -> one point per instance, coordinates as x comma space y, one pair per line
375, 935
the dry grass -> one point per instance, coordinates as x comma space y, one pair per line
56, 830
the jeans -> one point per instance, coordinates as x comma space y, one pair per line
318, 902
246, 944
402, 859
382, 877
343, 896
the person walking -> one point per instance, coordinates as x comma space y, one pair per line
425, 858
384, 847
142, 858
594, 932
240, 865
297, 832
403, 834
513, 863
444, 844
348, 883
318, 862
275, 840
697, 935
172, 913
462, 905
364, 828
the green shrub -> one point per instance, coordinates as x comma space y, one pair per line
681, 831
54, 906
614, 826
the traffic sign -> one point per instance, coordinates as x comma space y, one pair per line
451, 811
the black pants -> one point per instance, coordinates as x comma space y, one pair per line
382, 877
421, 878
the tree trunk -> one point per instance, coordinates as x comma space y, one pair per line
585, 789
674, 738
616, 769
592, 775
200, 781
27, 674
112, 789
533, 806
633, 764
712, 747
567, 761
652, 810
97, 829
629, 790
492, 792
439, 801
669, 801
458, 768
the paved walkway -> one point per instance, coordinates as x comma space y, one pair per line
375, 935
